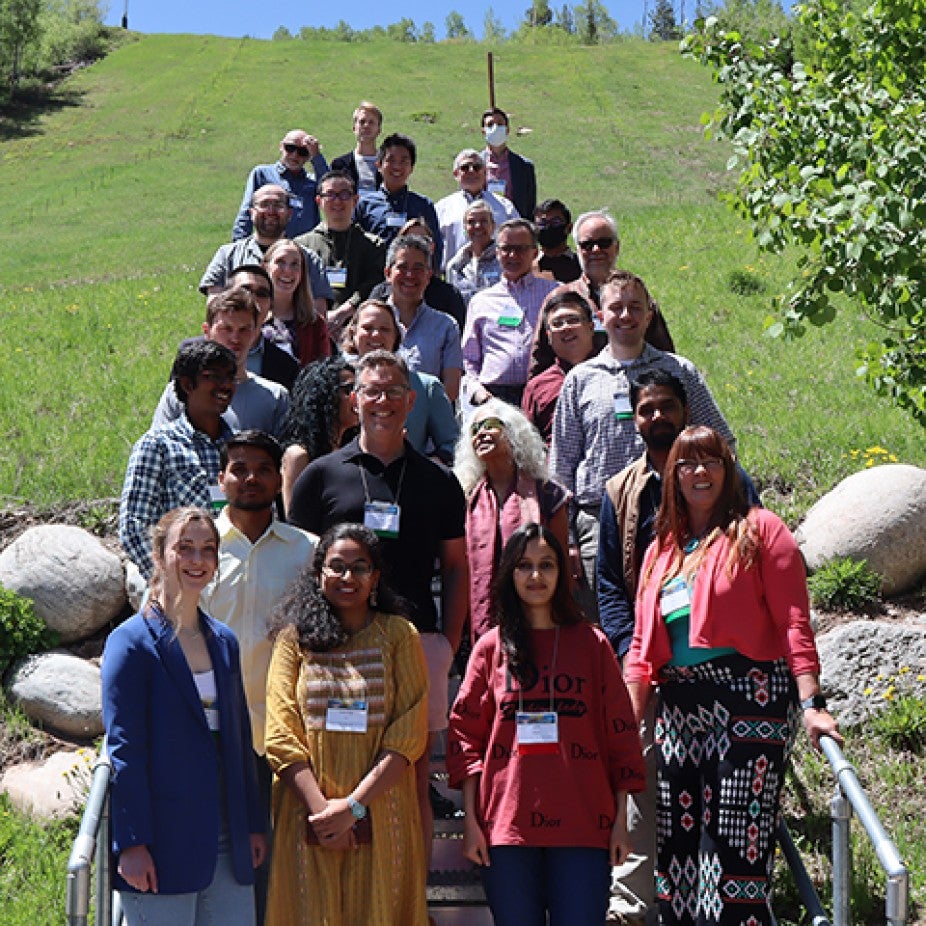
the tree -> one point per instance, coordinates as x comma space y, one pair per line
833, 162
492, 29
565, 20
427, 33
538, 14
281, 33
662, 22
456, 27
594, 24
20, 29
403, 31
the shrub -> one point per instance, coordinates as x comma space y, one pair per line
844, 584
22, 631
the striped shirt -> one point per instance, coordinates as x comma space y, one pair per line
590, 443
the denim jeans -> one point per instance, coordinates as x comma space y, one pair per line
224, 903
523, 883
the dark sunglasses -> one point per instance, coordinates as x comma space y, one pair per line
591, 243
296, 149
467, 168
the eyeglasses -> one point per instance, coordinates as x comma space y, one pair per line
215, 376
374, 393
486, 424
295, 149
565, 321
556, 222
271, 205
346, 388
337, 567
545, 567
689, 467
471, 168
342, 195
589, 244
258, 292
513, 248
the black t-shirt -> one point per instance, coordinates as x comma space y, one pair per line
433, 509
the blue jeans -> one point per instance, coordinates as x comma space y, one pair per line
224, 903
524, 883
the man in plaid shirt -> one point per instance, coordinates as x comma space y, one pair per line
178, 464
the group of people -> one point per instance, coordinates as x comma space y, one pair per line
413, 432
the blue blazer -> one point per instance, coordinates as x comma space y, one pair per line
166, 762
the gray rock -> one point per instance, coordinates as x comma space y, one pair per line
54, 788
135, 585
878, 515
60, 691
864, 659
77, 585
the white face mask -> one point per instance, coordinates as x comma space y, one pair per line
496, 134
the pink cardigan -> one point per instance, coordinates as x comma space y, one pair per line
763, 612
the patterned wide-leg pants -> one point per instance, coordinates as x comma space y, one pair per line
723, 737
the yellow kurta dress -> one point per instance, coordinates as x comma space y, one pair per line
380, 884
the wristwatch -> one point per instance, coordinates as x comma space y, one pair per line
356, 808
817, 702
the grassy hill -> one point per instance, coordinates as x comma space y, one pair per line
117, 196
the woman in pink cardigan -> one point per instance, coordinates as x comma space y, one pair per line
723, 630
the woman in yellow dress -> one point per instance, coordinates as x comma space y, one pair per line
346, 720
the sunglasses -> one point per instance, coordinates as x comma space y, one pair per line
486, 424
591, 243
471, 168
296, 149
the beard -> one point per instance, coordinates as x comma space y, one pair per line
661, 437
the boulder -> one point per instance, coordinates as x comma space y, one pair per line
78, 586
52, 788
868, 663
879, 515
59, 691
135, 585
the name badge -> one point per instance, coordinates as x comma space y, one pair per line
337, 276
212, 718
674, 600
382, 518
623, 410
497, 187
511, 319
295, 203
346, 715
395, 219
490, 277
217, 500
537, 732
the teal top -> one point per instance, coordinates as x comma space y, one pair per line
676, 611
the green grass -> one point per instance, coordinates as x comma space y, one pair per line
119, 201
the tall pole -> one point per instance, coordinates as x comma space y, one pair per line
125, 15
491, 64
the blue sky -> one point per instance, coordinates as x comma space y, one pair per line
236, 18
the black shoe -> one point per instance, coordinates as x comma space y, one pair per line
443, 807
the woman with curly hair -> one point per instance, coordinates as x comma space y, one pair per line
346, 721
320, 413
543, 744
501, 464
723, 629
295, 322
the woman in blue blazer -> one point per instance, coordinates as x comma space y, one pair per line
186, 816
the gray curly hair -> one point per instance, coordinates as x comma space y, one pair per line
527, 446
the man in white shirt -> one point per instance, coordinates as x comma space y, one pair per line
259, 557
470, 171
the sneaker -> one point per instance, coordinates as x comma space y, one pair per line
443, 807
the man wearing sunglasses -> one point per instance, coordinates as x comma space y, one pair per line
296, 148
469, 169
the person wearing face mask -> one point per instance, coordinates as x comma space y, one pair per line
508, 174
554, 223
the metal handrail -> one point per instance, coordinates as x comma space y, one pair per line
92, 839
808, 893
849, 796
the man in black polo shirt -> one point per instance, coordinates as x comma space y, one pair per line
415, 506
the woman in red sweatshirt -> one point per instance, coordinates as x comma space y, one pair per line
544, 745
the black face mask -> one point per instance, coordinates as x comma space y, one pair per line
552, 236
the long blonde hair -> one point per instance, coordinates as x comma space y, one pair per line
303, 298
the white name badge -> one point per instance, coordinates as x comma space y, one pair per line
623, 410
295, 202
674, 599
497, 187
382, 518
337, 276
490, 277
537, 732
346, 715
395, 219
212, 718
511, 319
217, 500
